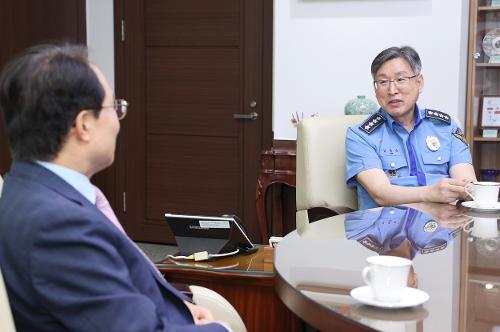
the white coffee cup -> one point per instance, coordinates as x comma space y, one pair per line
485, 228
387, 276
483, 193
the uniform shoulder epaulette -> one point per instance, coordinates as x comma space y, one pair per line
437, 115
433, 249
455, 232
371, 244
372, 123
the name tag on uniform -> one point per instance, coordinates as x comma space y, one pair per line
390, 151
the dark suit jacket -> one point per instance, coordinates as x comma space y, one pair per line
66, 267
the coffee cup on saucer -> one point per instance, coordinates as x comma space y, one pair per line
484, 193
387, 276
484, 228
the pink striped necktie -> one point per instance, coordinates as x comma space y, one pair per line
103, 205
101, 202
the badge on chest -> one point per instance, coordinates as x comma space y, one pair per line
432, 143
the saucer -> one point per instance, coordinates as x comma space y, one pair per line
406, 315
411, 298
493, 207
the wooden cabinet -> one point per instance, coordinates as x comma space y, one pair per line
277, 167
483, 82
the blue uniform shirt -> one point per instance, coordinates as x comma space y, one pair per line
417, 158
382, 230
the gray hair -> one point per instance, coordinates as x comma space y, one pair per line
405, 52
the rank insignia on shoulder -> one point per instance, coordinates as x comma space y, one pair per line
455, 232
371, 244
372, 123
433, 249
437, 115
460, 135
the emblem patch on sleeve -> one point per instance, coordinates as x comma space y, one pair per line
460, 135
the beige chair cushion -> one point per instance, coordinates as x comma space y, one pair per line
321, 162
6, 321
221, 309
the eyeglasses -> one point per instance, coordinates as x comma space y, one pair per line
400, 82
120, 106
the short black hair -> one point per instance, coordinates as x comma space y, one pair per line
405, 52
42, 90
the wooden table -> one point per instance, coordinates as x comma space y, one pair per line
246, 281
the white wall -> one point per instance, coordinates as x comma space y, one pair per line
100, 39
323, 51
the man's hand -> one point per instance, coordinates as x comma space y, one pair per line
200, 315
446, 190
446, 215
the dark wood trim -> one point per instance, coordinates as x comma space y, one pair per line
114, 193
267, 74
232, 278
81, 12
285, 144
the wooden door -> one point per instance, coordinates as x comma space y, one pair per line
24, 23
186, 68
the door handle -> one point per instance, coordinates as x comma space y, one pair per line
250, 116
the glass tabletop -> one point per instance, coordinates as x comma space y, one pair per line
455, 255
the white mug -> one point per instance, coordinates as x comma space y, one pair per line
485, 228
387, 276
483, 193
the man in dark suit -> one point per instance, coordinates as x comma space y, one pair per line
65, 265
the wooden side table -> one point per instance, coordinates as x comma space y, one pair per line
246, 281
277, 167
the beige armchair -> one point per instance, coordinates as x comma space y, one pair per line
321, 167
220, 308
6, 321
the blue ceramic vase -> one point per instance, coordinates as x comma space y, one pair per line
360, 105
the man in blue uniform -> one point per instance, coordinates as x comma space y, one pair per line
404, 153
